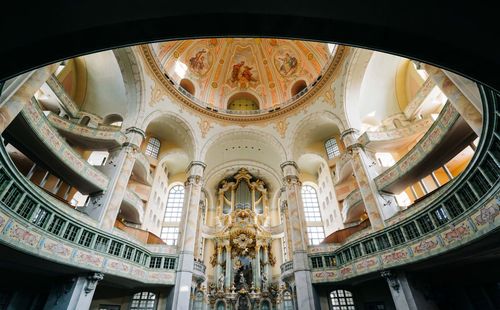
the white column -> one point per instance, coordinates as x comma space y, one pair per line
376, 207
404, 294
298, 231
187, 237
13, 102
75, 294
105, 207
461, 103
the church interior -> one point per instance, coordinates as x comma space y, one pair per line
248, 173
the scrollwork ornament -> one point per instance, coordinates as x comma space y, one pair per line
392, 279
92, 282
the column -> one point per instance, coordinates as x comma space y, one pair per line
265, 260
105, 206
298, 230
464, 107
229, 265
404, 293
376, 207
74, 294
257, 274
15, 102
187, 237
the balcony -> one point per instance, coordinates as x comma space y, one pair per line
141, 169
286, 270
132, 208
199, 271
353, 207
68, 103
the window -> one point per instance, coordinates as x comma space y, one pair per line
342, 300
316, 234
397, 236
332, 148
101, 244
153, 147
440, 216
411, 231
453, 206
143, 301
330, 261
383, 242
425, 223
155, 262
170, 235
27, 206
115, 248
369, 246
311, 205
56, 225
13, 194
175, 201
347, 255
317, 262
40, 217
169, 263
356, 250
71, 232
86, 238
127, 254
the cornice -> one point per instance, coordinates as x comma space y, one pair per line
306, 99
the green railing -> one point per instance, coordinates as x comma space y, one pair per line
31, 223
467, 209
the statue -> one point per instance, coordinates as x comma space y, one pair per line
264, 281
221, 281
242, 279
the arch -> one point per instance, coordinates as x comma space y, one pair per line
174, 128
341, 300
237, 145
314, 129
297, 87
243, 101
112, 118
188, 86
133, 80
143, 301
85, 120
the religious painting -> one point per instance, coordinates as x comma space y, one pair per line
243, 71
200, 61
285, 62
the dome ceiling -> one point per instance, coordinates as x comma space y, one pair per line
243, 73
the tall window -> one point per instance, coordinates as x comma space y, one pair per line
153, 147
311, 204
342, 300
316, 234
332, 148
315, 230
143, 301
173, 212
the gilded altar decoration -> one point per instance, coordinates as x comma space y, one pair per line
244, 258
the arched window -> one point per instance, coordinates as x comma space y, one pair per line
342, 300
153, 147
173, 212
311, 205
143, 301
287, 301
332, 148
315, 230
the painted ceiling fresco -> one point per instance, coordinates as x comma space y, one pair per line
265, 68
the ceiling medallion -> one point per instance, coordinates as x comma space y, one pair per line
306, 98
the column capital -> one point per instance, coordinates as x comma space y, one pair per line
289, 163
92, 280
135, 130
196, 167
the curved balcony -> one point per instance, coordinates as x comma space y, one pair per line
68, 103
32, 224
447, 136
465, 211
90, 138
132, 208
141, 169
286, 270
394, 138
352, 207
32, 133
199, 271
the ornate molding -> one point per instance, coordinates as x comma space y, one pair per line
304, 100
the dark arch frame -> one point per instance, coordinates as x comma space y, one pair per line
458, 36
